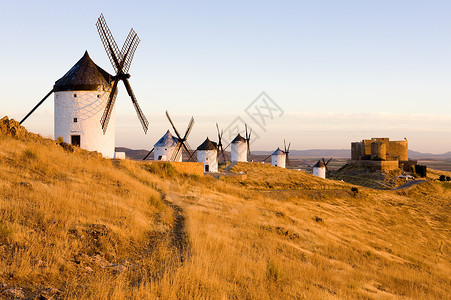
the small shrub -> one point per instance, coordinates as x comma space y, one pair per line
30, 154
162, 168
273, 271
442, 178
355, 190
59, 140
448, 178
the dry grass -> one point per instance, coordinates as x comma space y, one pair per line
94, 228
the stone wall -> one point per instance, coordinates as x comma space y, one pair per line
375, 164
369, 149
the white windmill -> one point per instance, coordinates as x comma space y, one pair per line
278, 158
165, 147
240, 147
207, 153
320, 168
85, 97
170, 147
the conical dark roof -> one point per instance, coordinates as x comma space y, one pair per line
85, 75
319, 164
167, 140
238, 139
278, 152
208, 145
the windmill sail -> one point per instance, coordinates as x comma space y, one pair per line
121, 61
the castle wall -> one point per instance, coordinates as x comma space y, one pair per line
378, 150
375, 164
356, 150
398, 150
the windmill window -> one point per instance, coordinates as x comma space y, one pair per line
206, 158
98, 96
75, 95
75, 120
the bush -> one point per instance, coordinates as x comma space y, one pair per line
355, 190
162, 168
448, 178
442, 178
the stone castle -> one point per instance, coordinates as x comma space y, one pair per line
381, 154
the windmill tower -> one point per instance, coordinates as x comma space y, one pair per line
165, 147
85, 96
240, 147
80, 99
278, 158
319, 169
170, 147
207, 153
220, 147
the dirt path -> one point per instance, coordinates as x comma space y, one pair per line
408, 184
179, 236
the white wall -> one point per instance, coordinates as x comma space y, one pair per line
239, 152
278, 160
208, 157
88, 108
320, 172
166, 153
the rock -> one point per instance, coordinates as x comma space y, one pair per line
50, 293
89, 269
117, 267
12, 128
16, 293
100, 261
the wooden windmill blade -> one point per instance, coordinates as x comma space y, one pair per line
248, 139
189, 128
287, 151
176, 152
148, 154
141, 117
173, 127
220, 147
109, 43
267, 157
121, 61
188, 149
129, 48
192, 155
36, 106
109, 107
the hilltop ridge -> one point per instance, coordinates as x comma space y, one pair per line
75, 225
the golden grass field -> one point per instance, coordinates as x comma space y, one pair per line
77, 226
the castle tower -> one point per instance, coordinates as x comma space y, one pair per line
278, 158
165, 147
207, 153
239, 149
378, 151
80, 99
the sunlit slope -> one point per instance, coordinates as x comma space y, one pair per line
63, 214
77, 226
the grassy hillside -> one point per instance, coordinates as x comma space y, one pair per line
74, 225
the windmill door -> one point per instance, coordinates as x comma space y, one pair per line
207, 168
75, 140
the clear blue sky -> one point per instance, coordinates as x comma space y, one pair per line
340, 70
